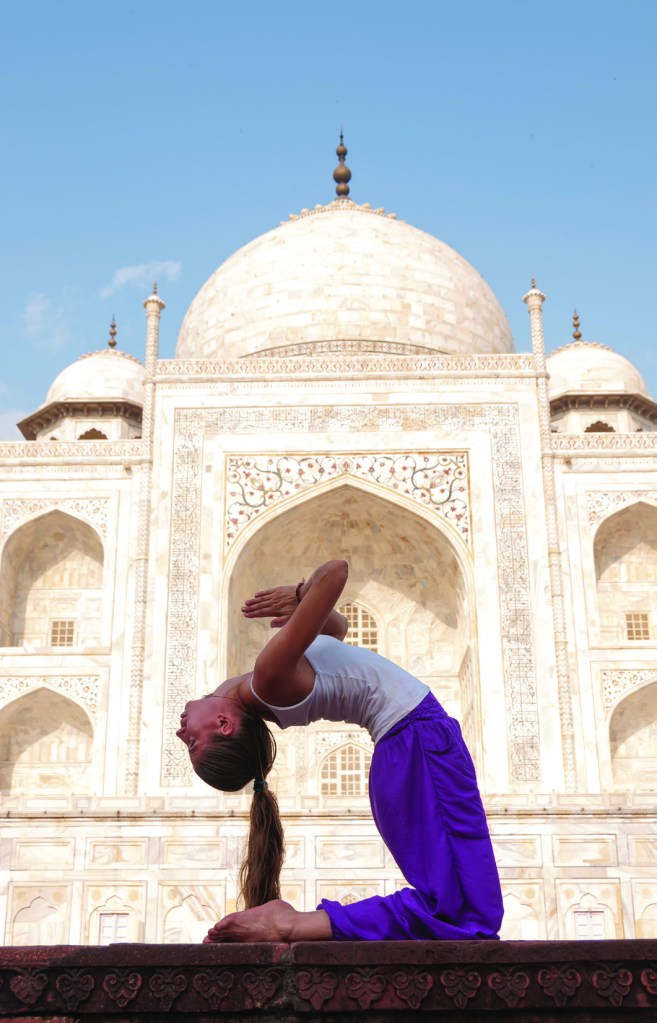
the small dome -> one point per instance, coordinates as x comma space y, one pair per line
104, 376
343, 272
585, 367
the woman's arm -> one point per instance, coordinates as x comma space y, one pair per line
282, 676
280, 603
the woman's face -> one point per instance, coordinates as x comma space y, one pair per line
202, 718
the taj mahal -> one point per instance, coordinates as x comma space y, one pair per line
345, 385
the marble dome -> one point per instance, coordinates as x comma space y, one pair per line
102, 376
585, 367
349, 273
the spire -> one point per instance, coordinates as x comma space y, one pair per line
155, 287
112, 334
576, 332
341, 174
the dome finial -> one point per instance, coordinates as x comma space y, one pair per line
577, 334
341, 174
533, 282
112, 334
155, 287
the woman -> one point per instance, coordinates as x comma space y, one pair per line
423, 789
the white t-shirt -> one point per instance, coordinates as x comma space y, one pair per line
354, 685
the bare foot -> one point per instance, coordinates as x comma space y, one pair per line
275, 921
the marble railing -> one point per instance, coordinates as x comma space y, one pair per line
379, 982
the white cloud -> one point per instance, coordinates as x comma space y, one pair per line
143, 275
47, 323
8, 428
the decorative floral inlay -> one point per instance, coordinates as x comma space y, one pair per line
618, 681
93, 510
600, 502
83, 687
438, 481
649, 979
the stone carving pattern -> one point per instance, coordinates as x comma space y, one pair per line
213, 986
166, 986
649, 979
460, 985
94, 510
509, 985
325, 362
316, 986
262, 986
74, 987
559, 983
412, 987
500, 422
27, 985
438, 481
612, 983
566, 443
56, 450
618, 681
600, 502
85, 688
122, 986
365, 986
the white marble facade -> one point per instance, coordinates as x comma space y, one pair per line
344, 386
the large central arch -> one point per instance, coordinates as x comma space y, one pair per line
402, 567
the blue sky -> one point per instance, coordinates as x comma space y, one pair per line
150, 139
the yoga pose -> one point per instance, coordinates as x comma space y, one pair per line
423, 789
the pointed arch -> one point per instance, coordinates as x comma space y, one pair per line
633, 739
51, 578
396, 552
45, 745
344, 771
625, 560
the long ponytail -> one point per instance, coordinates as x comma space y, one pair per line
228, 763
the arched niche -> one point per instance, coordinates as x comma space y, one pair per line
403, 569
42, 922
633, 740
51, 573
45, 746
625, 555
521, 921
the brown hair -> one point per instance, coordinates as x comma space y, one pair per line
228, 763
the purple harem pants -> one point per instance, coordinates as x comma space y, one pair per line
426, 805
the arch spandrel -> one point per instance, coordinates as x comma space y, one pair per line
437, 482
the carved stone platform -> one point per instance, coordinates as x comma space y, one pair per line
372, 982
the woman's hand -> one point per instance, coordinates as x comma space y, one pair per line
278, 604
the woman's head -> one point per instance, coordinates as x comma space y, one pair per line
235, 749
229, 761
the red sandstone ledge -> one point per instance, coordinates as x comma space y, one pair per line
372, 982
